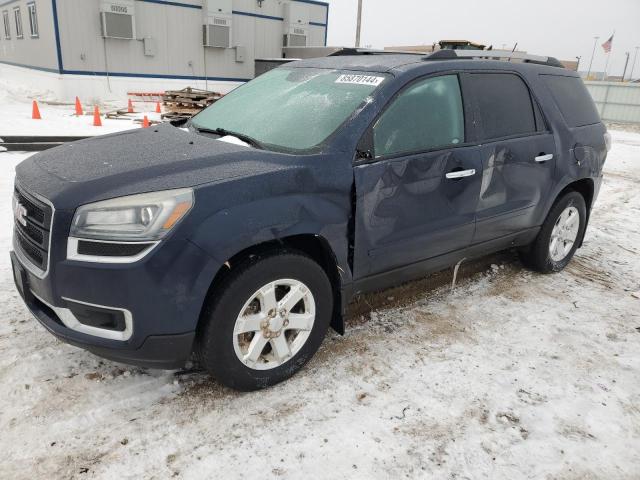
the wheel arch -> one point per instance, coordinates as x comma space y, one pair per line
586, 188
315, 246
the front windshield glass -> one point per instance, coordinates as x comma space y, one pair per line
291, 108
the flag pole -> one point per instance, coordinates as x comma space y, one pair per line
606, 66
595, 42
359, 23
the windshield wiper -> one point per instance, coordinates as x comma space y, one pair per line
224, 132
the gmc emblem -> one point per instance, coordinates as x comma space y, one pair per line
20, 213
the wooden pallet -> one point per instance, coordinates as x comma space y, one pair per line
187, 102
152, 97
173, 116
121, 114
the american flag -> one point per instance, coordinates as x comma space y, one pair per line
606, 46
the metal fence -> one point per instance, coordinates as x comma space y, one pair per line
616, 102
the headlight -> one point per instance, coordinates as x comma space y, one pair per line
148, 216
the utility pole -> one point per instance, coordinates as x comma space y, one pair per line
359, 24
633, 65
595, 42
624, 72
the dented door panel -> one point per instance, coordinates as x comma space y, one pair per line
409, 211
514, 185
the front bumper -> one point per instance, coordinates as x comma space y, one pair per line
162, 296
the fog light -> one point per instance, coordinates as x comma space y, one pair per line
98, 317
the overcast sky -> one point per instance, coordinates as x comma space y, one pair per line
560, 28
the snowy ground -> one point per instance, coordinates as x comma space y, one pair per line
512, 375
60, 119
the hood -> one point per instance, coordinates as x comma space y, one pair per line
139, 161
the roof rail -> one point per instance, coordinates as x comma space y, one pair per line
367, 51
494, 55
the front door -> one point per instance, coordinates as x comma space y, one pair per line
416, 197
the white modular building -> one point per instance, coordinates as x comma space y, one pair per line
103, 49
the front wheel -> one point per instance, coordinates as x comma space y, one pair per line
559, 236
266, 321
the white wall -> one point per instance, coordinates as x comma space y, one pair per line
616, 101
100, 88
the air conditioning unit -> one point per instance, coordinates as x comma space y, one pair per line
296, 25
118, 19
217, 33
298, 39
217, 23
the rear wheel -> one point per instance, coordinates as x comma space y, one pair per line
267, 321
559, 237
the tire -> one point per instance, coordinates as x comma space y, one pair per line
220, 348
540, 255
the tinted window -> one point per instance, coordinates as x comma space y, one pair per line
426, 115
505, 104
573, 99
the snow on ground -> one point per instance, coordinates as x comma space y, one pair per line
512, 375
60, 119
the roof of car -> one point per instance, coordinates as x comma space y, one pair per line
367, 63
381, 62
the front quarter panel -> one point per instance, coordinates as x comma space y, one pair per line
312, 196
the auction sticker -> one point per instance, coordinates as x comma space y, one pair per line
360, 79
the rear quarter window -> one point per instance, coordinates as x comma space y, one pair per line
573, 99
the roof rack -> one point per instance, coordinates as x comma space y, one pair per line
368, 51
494, 55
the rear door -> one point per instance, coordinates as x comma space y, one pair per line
518, 155
417, 194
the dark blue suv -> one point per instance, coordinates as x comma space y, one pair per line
242, 235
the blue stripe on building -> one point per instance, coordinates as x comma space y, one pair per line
173, 4
56, 30
153, 75
42, 69
61, 69
258, 15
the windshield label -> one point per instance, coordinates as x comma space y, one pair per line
360, 80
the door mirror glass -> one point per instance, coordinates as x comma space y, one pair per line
425, 116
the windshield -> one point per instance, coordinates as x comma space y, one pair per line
291, 108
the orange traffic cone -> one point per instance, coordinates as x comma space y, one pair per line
97, 121
130, 107
158, 110
145, 122
79, 111
35, 111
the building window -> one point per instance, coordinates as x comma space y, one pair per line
33, 19
18, 18
7, 29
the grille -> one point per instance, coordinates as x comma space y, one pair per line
33, 238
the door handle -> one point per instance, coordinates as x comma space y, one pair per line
544, 157
461, 173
